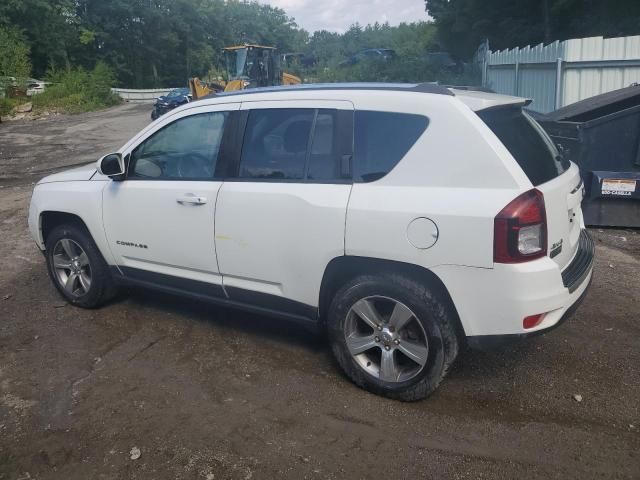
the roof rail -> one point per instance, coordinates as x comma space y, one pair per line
433, 88
471, 88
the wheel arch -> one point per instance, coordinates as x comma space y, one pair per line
50, 219
342, 269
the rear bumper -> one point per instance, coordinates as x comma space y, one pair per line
487, 342
493, 302
573, 276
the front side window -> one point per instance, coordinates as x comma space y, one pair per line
381, 140
185, 149
293, 144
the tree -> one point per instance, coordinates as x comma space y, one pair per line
49, 27
165, 42
161, 43
14, 54
463, 24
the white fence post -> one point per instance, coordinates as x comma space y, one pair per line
558, 87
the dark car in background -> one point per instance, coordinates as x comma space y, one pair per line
173, 99
374, 54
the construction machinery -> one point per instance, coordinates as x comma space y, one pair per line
247, 66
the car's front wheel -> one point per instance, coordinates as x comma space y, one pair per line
77, 268
392, 335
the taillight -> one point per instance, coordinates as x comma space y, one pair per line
520, 230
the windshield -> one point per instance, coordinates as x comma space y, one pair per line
178, 92
527, 142
236, 63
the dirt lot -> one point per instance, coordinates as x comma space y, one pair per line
208, 393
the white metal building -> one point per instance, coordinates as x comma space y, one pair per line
561, 73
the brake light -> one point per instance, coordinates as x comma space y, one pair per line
520, 230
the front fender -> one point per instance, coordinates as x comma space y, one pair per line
82, 199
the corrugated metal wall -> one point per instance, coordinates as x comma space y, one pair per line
561, 73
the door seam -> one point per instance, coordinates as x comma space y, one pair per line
215, 246
346, 216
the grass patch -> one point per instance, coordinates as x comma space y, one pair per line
77, 90
7, 105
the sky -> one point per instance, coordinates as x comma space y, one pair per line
339, 15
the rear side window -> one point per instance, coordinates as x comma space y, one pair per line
275, 143
527, 142
324, 158
295, 144
381, 139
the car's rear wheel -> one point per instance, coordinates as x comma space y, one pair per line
77, 268
392, 335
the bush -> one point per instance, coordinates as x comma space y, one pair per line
14, 54
7, 105
406, 68
78, 90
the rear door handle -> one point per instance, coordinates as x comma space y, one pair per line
191, 199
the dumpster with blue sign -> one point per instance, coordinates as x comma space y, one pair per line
602, 135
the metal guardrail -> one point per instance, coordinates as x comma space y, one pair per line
140, 95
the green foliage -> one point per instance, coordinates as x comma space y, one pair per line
165, 42
406, 38
411, 42
77, 90
50, 28
408, 68
14, 54
162, 43
7, 105
463, 24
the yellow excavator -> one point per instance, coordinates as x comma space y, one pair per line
248, 66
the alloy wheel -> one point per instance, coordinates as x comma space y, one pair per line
386, 339
71, 266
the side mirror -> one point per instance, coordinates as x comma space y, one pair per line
111, 165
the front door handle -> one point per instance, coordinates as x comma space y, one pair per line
191, 199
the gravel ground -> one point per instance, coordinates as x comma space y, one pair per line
207, 393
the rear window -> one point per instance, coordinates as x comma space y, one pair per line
381, 139
527, 142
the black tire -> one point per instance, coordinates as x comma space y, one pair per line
433, 313
154, 114
102, 288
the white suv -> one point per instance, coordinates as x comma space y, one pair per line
403, 219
